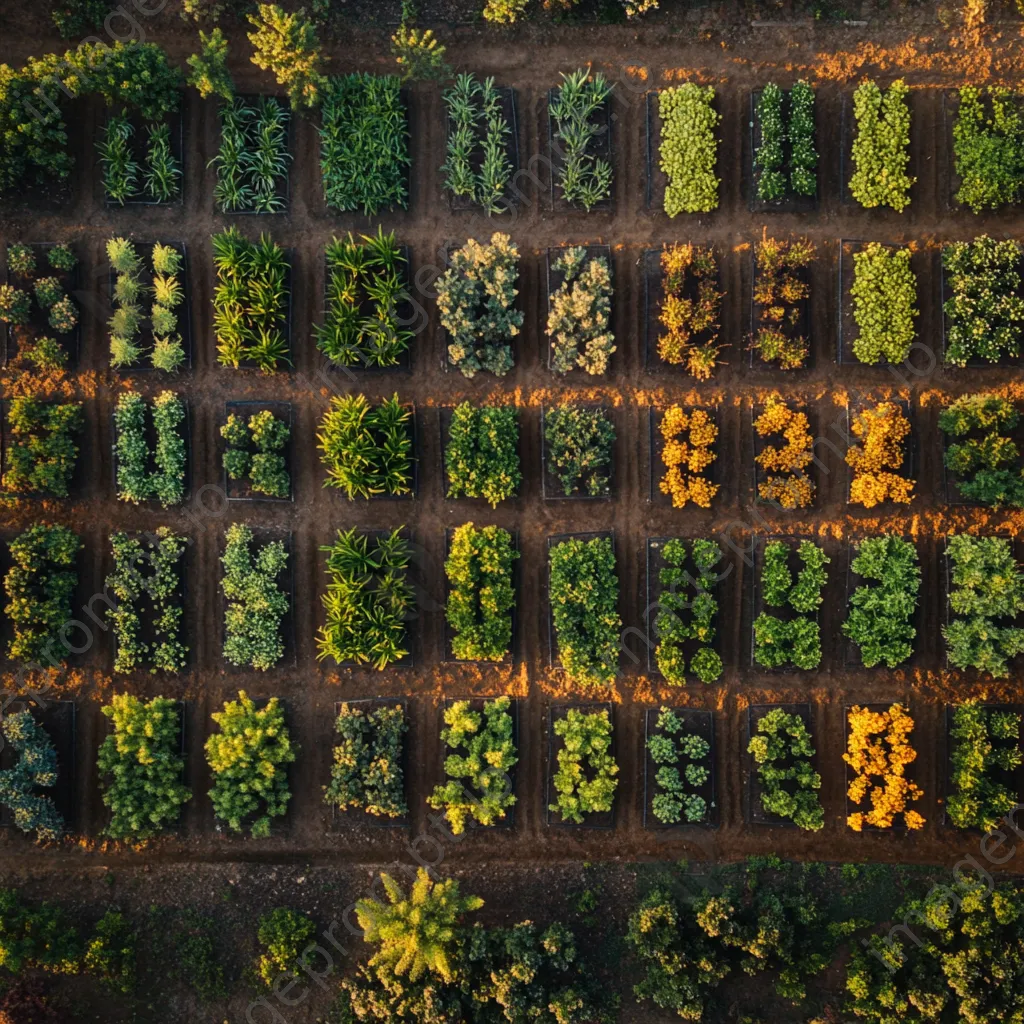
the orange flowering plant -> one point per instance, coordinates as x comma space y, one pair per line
788, 483
876, 461
686, 460
691, 309
878, 750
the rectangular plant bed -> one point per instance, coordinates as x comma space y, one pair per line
784, 473
144, 338
352, 817
700, 724
241, 488
902, 293
254, 155
756, 814
58, 720
40, 448
869, 482
975, 430
595, 159
556, 744
790, 602
145, 479
781, 343
337, 639
491, 754
590, 434
448, 633
490, 461
696, 579
891, 584
261, 647
697, 430
367, 311
792, 163
692, 346
18, 339
874, 750
156, 150
474, 180
580, 277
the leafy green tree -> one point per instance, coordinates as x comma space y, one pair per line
210, 74
135, 74
40, 938
287, 45
284, 934
419, 55
110, 953
416, 934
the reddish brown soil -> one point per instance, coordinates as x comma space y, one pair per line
530, 60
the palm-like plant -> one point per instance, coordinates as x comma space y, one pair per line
120, 171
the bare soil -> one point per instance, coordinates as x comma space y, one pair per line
637, 59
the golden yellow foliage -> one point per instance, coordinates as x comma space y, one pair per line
795, 489
878, 750
685, 460
882, 432
690, 268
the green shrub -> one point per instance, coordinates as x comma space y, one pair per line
986, 591
364, 144
582, 178
21, 260
686, 611
984, 311
475, 297
256, 604
481, 598
796, 640
110, 953
689, 148
286, 45
795, 126
366, 286
195, 954
477, 164
881, 147
284, 935
41, 449
579, 313
368, 600
367, 773
366, 449
481, 458
884, 292
248, 760
39, 585
985, 754
78, 17
141, 764
15, 305
210, 74
39, 938
419, 54
254, 452
481, 756
36, 768
881, 614
579, 443
782, 750
147, 583
987, 148
253, 158
60, 257
48, 291
586, 777
584, 596
251, 305
986, 466
133, 74
674, 797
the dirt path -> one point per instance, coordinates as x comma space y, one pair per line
311, 689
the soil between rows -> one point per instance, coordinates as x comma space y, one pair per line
312, 688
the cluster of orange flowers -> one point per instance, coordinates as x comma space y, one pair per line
795, 489
878, 751
882, 432
690, 457
684, 317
